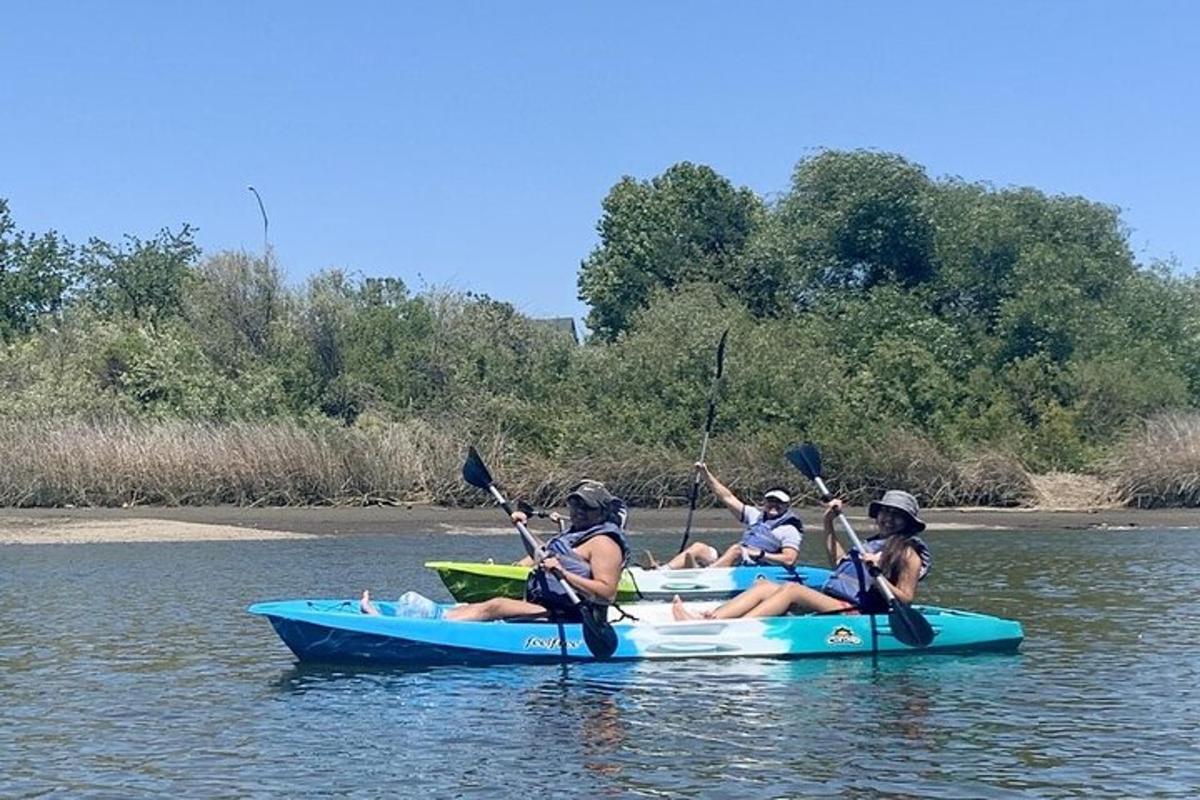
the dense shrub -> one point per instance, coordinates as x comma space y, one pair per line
929, 333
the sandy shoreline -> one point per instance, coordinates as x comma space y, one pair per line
86, 525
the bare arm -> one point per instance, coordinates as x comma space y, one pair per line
832, 546
727, 498
604, 557
785, 558
519, 518
905, 587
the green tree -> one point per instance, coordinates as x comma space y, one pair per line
688, 224
143, 279
35, 275
235, 303
854, 220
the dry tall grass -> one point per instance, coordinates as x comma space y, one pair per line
119, 462
907, 461
124, 462
1159, 465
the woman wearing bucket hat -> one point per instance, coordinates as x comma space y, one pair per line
772, 535
896, 552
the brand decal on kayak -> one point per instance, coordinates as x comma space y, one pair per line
550, 643
843, 635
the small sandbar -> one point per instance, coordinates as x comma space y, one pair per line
73, 531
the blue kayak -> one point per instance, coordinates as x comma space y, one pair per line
336, 631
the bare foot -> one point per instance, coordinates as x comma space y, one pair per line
651, 561
680, 613
364, 605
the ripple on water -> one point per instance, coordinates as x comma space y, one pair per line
139, 674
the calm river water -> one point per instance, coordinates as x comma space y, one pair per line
132, 670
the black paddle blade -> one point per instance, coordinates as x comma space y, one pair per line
909, 626
526, 509
806, 458
474, 471
598, 632
721, 353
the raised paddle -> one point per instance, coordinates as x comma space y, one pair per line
708, 426
598, 633
908, 625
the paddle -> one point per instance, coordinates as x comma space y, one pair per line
708, 426
908, 625
598, 633
541, 513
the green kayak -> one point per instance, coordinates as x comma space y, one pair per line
471, 582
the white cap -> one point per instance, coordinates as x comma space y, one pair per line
778, 494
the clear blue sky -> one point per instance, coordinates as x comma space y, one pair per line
470, 144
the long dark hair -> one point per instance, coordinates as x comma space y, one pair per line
892, 558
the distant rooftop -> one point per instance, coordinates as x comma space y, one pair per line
564, 324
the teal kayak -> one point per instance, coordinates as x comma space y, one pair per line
336, 631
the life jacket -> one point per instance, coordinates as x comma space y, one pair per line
618, 512
852, 581
761, 535
547, 590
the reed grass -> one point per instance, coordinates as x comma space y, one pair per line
124, 462
1159, 464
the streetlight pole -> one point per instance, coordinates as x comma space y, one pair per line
263, 210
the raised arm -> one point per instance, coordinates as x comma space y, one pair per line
832, 546
727, 498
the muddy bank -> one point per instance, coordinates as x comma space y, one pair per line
37, 526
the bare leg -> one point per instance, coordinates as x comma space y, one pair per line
496, 608
680, 612
697, 554
365, 606
741, 605
730, 558
797, 596
651, 561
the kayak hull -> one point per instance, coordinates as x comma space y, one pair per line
470, 582
336, 631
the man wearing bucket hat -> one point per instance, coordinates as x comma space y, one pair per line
772, 535
896, 552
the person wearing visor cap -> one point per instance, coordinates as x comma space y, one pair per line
772, 532
896, 552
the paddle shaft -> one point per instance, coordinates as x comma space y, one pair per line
687, 528
708, 426
536, 550
882, 581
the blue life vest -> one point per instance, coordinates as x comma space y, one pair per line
547, 590
761, 535
852, 581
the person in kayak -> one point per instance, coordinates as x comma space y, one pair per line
618, 513
896, 550
589, 555
772, 536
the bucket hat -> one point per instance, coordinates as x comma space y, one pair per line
900, 501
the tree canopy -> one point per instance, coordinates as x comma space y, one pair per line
866, 302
